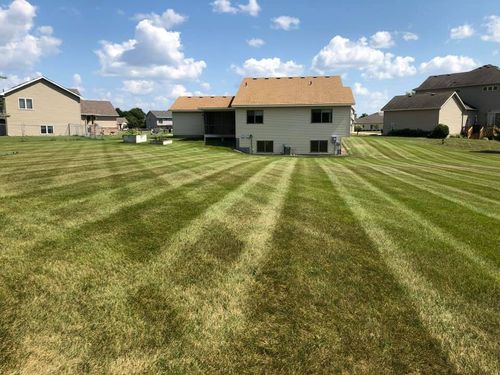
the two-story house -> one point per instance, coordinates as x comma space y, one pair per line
40, 107
468, 101
280, 115
159, 120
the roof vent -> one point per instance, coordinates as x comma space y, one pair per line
433, 93
278, 78
310, 83
246, 84
255, 79
302, 77
266, 78
189, 97
290, 77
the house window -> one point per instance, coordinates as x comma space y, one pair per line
160, 121
255, 117
319, 146
46, 129
490, 88
25, 103
321, 116
265, 146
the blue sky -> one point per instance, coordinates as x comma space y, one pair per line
145, 53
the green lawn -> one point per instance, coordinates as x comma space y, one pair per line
129, 259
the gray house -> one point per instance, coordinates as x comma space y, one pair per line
477, 92
159, 120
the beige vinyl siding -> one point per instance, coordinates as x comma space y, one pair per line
421, 119
451, 115
51, 106
291, 126
484, 101
188, 124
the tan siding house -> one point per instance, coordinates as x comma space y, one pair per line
99, 117
41, 107
478, 88
285, 115
425, 111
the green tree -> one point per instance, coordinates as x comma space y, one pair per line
136, 118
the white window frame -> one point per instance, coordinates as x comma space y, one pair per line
25, 104
47, 132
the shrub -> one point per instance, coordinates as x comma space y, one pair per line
132, 132
408, 133
441, 131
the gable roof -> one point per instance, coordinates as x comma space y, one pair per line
374, 118
73, 92
98, 108
199, 103
293, 91
161, 114
422, 101
121, 120
485, 75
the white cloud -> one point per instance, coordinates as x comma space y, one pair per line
20, 47
252, 8
178, 90
77, 82
205, 86
255, 42
492, 29
382, 39
408, 36
225, 6
270, 67
167, 20
286, 23
462, 32
342, 53
155, 52
369, 100
449, 64
138, 87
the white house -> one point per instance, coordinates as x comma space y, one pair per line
284, 115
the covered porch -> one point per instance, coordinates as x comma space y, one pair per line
219, 124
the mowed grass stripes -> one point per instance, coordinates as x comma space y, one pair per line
188, 258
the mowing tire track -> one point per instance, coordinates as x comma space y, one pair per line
440, 234
467, 347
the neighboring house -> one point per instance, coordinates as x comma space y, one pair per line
159, 120
99, 116
40, 107
426, 110
373, 122
121, 122
478, 90
284, 115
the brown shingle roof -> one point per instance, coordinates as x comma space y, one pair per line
293, 91
485, 75
98, 108
198, 103
419, 101
374, 118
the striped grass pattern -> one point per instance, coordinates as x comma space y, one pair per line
136, 259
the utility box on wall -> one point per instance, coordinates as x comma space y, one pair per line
337, 144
